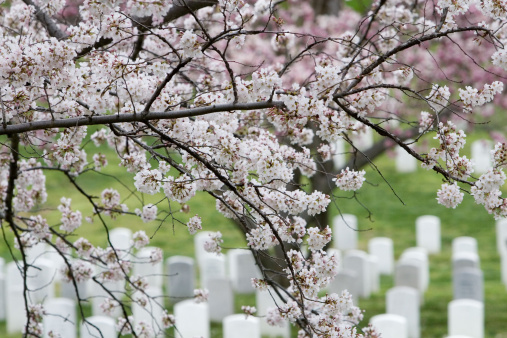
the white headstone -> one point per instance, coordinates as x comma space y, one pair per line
41, 280
192, 319
2, 289
42, 251
180, 279
339, 155
68, 290
374, 273
363, 140
464, 244
266, 300
153, 272
390, 326
242, 269
98, 295
200, 253
3, 300
405, 163
428, 233
345, 280
60, 317
481, 156
466, 317
220, 298
121, 239
98, 327
240, 326
338, 256
345, 232
213, 266
16, 313
382, 247
409, 273
468, 283
503, 268
420, 254
501, 236
465, 259
152, 312
404, 301
35, 252
357, 261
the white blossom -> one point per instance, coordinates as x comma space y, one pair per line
140, 239
350, 179
450, 195
194, 224
148, 181
201, 295
148, 214
212, 244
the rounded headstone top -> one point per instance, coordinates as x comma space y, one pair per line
425, 219
381, 240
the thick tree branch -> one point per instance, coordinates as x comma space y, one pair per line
9, 217
47, 21
107, 119
179, 9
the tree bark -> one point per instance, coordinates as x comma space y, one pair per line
328, 7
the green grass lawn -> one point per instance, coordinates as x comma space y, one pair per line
392, 219
385, 215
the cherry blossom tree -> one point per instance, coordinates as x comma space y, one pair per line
243, 101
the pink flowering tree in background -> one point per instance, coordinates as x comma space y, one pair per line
243, 101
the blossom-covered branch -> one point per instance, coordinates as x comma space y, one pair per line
133, 117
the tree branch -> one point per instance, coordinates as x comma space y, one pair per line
107, 119
162, 85
46, 20
179, 9
381, 131
406, 45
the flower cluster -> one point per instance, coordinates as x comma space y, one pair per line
249, 310
438, 98
80, 271
317, 238
194, 224
451, 142
36, 314
212, 244
148, 214
190, 45
140, 239
71, 220
148, 181
31, 186
486, 191
350, 179
472, 97
450, 195
425, 121
201, 295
